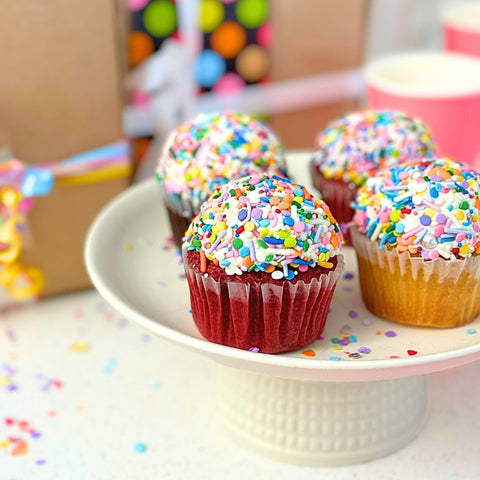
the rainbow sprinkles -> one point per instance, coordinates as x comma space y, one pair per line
264, 223
429, 208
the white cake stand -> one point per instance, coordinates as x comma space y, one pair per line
327, 404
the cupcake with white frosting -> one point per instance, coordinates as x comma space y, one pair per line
262, 259
353, 148
207, 152
417, 239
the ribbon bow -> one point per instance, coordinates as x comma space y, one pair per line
19, 184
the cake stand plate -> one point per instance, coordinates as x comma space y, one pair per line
356, 393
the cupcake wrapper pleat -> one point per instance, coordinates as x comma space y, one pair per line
270, 317
400, 287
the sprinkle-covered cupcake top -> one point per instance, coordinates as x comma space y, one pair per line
215, 148
267, 224
426, 207
354, 147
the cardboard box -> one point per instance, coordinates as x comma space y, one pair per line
61, 94
312, 37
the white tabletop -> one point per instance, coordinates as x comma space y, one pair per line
93, 388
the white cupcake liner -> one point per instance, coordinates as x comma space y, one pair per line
183, 204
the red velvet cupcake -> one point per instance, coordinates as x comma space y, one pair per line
353, 148
262, 259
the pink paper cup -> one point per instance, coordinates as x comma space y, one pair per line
461, 28
442, 89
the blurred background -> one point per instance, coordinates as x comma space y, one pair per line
297, 64
90, 89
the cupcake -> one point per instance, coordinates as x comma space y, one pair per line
262, 259
207, 152
417, 240
353, 148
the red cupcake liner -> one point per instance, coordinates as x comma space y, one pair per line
338, 195
255, 311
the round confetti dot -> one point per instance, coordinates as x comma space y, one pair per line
252, 13
355, 355
252, 63
335, 358
390, 334
160, 18
348, 275
254, 349
471, 331
264, 35
212, 13
135, 5
412, 352
209, 67
140, 46
228, 84
352, 314
140, 447
228, 39
309, 353
364, 350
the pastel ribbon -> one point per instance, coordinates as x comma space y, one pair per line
20, 183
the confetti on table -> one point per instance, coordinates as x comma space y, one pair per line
110, 366
140, 447
309, 353
7, 374
412, 352
127, 246
80, 347
471, 331
390, 334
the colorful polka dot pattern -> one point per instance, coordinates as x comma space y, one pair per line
238, 33
235, 41
214, 148
354, 147
264, 223
426, 207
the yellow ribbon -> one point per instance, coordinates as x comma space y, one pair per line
110, 173
23, 282
20, 281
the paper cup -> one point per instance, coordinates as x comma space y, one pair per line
255, 311
442, 89
431, 293
461, 28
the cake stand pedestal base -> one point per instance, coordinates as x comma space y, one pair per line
319, 423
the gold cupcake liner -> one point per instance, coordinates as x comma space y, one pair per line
411, 290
